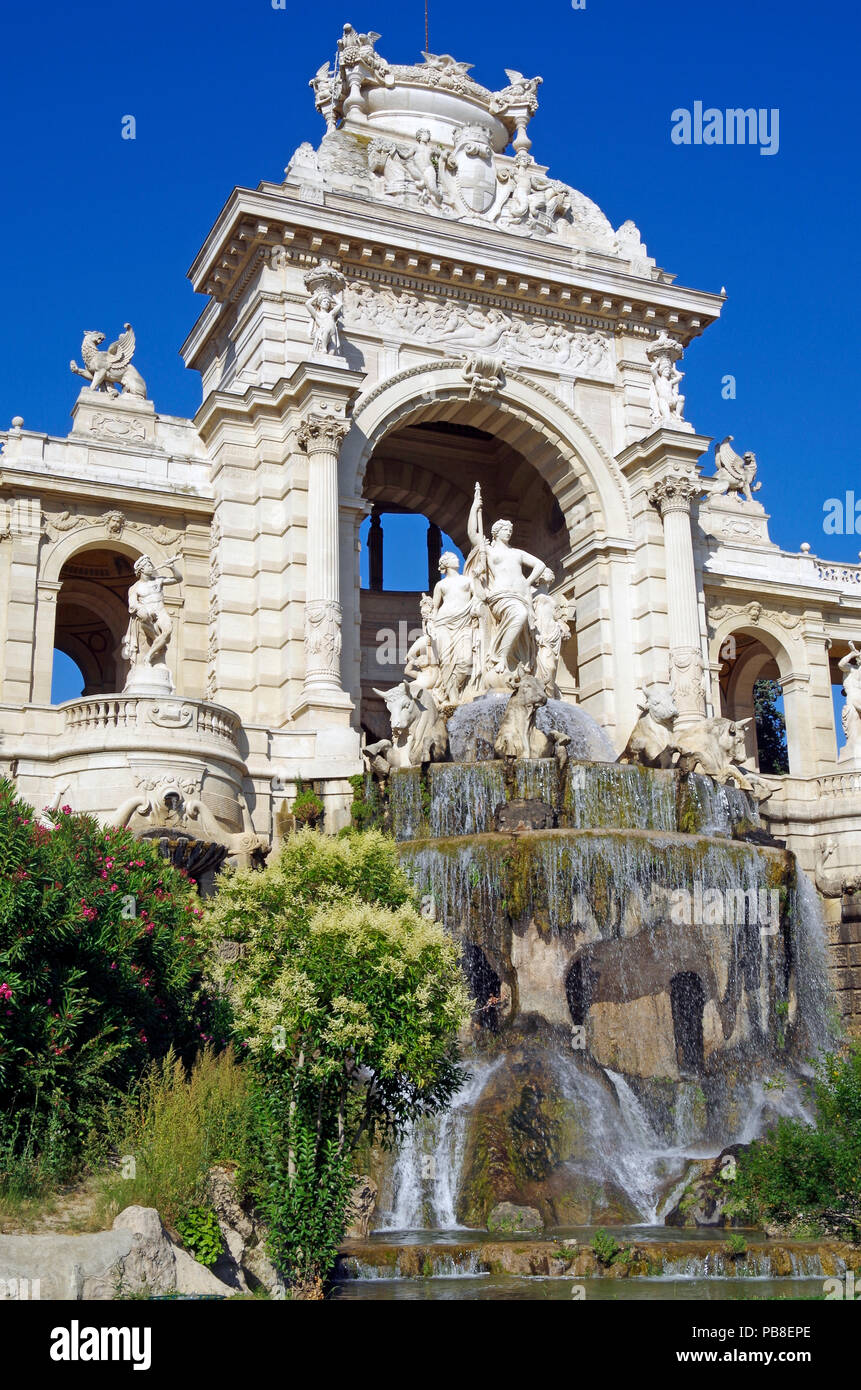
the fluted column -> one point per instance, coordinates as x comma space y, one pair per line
321, 437
673, 496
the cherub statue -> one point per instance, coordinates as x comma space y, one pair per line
112, 367
325, 308
735, 473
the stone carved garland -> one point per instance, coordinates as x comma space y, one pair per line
323, 636
483, 328
114, 522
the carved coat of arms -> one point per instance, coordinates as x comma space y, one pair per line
471, 163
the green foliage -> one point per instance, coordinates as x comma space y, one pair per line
307, 806
770, 727
810, 1171
201, 1234
736, 1244
605, 1247
366, 810
173, 1126
349, 1002
99, 972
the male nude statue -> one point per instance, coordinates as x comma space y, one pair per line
150, 625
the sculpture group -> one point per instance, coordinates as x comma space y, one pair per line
493, 628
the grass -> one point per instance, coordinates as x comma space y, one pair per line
169, 1133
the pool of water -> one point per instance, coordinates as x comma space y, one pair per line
490, 1288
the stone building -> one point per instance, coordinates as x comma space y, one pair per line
418, 306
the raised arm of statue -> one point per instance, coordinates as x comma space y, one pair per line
475, 525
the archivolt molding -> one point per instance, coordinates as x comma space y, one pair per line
390, 402
69, 532
784, 629
93, 533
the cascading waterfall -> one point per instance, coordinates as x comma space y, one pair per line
649, 980
426, 1174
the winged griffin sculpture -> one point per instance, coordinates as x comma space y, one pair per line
734, 473
112, 367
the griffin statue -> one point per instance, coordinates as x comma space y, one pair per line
111, 368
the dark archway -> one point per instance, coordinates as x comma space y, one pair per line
687, 1000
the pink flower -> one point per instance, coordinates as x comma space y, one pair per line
5, 991
66, 810
114, 888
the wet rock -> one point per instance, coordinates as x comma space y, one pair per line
362, 1205
513, 817
509, 1218
708, 1192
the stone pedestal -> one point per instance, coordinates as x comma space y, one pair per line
150, 680
734, 521
119, 419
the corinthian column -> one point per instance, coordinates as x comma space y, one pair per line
673, 496
321, 437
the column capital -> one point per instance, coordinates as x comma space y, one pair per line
322, 434
675, 492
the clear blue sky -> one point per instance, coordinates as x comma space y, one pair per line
97, 230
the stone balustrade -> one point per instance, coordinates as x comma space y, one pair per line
196, 720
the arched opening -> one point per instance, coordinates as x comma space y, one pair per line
427, 470
67, 679
484, 985
91, 619
687, 1001
750, 689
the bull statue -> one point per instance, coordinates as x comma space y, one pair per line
651, 742
715, 747
519, 735
419, 733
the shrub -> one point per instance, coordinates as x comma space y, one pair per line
201, 1234
810, 1170
307, 806
605, 1247
99, 972
349, 1002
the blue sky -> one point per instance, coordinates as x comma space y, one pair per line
96, 230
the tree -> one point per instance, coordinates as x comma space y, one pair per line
349, 1002
99, 973
770, 727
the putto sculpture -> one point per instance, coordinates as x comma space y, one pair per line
667, 406
325, 306
150, 628
113, 367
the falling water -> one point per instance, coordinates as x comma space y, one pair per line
426, 1175
463, 797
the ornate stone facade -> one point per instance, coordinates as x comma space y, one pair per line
416, 305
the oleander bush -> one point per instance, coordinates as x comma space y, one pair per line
100, 972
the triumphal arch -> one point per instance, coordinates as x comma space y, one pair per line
419, 306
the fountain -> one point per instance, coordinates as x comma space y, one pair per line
646, 962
